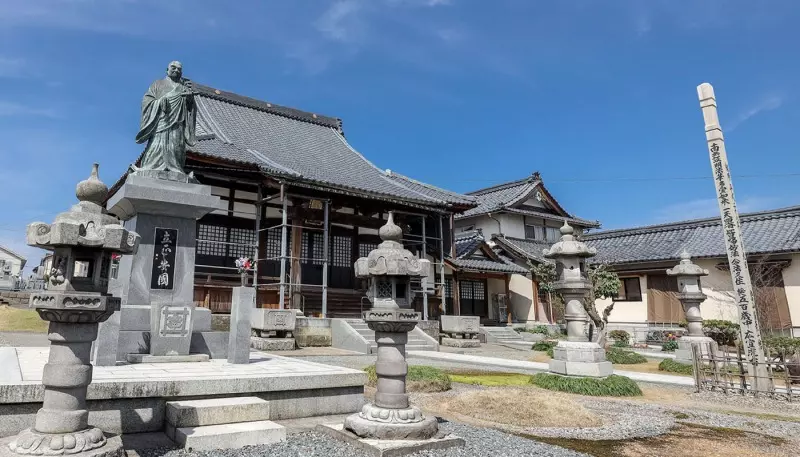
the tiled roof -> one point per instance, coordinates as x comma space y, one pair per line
486, 265
496, 197
522, 248
467, 243
765, 232
302, 148
504, 197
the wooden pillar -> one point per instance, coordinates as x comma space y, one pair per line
456, 295
535, 298
295, 273
507, 280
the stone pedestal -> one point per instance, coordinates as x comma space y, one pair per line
61, 425
243, 302
466, 326
683, 354
573, 358
273, 329
391, 417
461, 342
163, 207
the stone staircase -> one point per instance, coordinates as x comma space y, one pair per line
500, 335
221, 423
417, 339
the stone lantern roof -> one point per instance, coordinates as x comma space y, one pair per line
86, 224
568, 246
390, 258
686, 267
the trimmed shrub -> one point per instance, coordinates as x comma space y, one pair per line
543, 345
725, 333
675, 367
541, 329
621, 338
622, 357
612, 386
783, 345
419, 379
669, 346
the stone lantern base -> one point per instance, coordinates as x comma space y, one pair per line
580, 358
65, 444
705, 345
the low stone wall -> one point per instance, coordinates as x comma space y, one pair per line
312, 332
15, 299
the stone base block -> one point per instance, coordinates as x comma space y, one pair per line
592, 369
684, 352
216, 411
461, 343
230, 436
214, 344
389, 448
147, 358
112, 448
271, 344
578, 351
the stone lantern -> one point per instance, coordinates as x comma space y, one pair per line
690, 293
83, 240
389, 269
576, 356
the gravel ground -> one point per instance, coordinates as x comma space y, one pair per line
779, 406
480, 442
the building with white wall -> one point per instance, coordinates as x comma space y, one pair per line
519, 219
11, 265
647, 298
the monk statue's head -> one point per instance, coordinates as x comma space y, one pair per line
175, 70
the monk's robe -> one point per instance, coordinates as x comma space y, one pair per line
168, 125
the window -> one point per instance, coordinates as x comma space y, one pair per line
629, 290
215, 236
553, 234
244, 241
531, 232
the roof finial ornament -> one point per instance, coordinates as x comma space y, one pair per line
537, 176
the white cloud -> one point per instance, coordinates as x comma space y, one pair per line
342, 21
707, 207
9, 109
766, 103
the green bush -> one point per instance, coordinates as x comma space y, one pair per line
543, 345
621, 338
622, 357
541, 329
725, 333
675, 367
612, 386
669, 346
419, 379
782, 345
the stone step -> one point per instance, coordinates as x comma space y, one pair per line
229, 436
215, 411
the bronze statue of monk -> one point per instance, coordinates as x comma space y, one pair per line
168, 122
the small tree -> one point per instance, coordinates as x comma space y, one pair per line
605, 284
545, 275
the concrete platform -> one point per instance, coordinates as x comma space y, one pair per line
132, 398
389, 448
147, 358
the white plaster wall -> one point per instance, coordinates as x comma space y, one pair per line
494, 286
719, 289
627, 311
522, 300
16, 264
791, 281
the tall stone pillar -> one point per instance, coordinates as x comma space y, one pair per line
690, 293
83, 240
577, 356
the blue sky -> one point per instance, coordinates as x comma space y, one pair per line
599, 96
